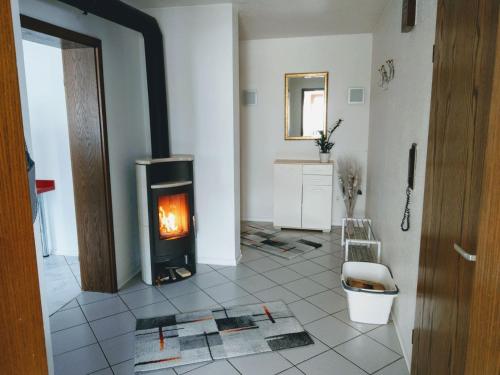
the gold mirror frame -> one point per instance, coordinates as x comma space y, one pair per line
323, 75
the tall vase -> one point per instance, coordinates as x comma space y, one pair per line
350, 203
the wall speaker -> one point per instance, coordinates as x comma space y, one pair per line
249, 97
356, 95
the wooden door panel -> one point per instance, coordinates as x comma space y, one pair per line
457, 135
95, 239
21, 322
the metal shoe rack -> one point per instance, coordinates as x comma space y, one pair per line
359, 240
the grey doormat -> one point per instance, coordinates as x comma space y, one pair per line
284, 244
201, 336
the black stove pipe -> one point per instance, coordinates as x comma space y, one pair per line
132, 18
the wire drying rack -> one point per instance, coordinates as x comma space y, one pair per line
359, 240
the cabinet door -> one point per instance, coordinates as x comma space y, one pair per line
317, 207
287, 195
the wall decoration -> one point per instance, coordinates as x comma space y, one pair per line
387, 73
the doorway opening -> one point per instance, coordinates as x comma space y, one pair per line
74, 229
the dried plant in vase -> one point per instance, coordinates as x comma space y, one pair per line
349, 173
323, 142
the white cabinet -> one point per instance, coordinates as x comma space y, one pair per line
288, 196
303, 194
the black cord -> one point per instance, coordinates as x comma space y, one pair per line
405, 223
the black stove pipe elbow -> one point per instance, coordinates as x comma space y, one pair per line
132, 18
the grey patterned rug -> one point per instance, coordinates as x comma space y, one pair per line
284, 244
201, 336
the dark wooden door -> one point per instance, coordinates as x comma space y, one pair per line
461, 94
83, 82
89, 166
21, 323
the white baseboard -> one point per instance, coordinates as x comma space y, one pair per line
218, 261
64, 253
406, 355
270, 220
265, 220
131, 276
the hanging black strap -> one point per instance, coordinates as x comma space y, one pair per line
405, 223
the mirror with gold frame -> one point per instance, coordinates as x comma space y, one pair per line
306, 98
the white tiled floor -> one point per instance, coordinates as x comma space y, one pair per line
61, 280
93, 334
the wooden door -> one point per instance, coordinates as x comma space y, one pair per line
88, 164
83, 82
461, 93
21, 323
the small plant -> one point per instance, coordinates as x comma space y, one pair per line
323, 142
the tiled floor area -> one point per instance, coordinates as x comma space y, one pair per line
93, 334
61, 280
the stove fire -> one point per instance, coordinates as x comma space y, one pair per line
173, 216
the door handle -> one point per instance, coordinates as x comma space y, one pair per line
467, 256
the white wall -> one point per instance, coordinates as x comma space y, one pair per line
50, 142
126, 111
263, 64
202, 78
400, 116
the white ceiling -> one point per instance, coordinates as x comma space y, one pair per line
292, 18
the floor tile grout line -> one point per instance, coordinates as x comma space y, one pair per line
389, 364
64, 329
98, 343
233, 366
78, 279
347, 359
380, 342
193, 369
73, 350
108, 296
314, 356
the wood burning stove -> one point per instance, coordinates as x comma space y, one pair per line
166, 218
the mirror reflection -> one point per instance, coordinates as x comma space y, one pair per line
306, 97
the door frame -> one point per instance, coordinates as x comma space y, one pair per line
482, 354
49, 34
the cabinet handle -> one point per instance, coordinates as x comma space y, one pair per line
467, 256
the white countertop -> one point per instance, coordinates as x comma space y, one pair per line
301, 161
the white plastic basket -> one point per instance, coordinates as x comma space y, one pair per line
366, 306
